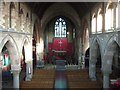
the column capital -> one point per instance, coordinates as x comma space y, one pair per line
15, 72
15, 68
29, 61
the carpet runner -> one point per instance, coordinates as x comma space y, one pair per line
60, 76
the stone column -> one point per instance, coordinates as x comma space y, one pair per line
31, 69
28, 71
92, 71
80, 55
37, 54
83, 62
106, 80
15, 69
79, 62
16, 79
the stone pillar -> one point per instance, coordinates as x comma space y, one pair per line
28, 71
92, 63
92, 71
83, 62
15, 69
37, 54
79, 62
106, 80
80, 55
31, 69
16, 79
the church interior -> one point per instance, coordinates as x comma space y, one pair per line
60, 45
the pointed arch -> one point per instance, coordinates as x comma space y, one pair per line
85, 35
108, 55
27, 48
54, 11
25, 41
95, 50
93, 26
11, 45
99, 21
109, 15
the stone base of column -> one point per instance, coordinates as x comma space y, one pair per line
28, 78
106, 81
93, 78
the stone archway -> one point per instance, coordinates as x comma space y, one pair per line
110, 64
54, 11
27, 44
7, 76
11, 47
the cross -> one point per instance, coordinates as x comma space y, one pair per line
60, 43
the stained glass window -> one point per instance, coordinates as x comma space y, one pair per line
60, 28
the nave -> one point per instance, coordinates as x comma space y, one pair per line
62, 78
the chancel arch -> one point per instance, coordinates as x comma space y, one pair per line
59, 40
62, 12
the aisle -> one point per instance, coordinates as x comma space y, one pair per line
60, 75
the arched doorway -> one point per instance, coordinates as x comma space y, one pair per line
7, 76
9, 44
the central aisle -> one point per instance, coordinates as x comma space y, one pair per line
60, 75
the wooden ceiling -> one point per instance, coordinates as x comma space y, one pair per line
81, 7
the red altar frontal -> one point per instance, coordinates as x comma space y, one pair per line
60, 48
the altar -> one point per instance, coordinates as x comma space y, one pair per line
59, 51
56, 52
59, 54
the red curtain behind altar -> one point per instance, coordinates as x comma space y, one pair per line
59, 44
